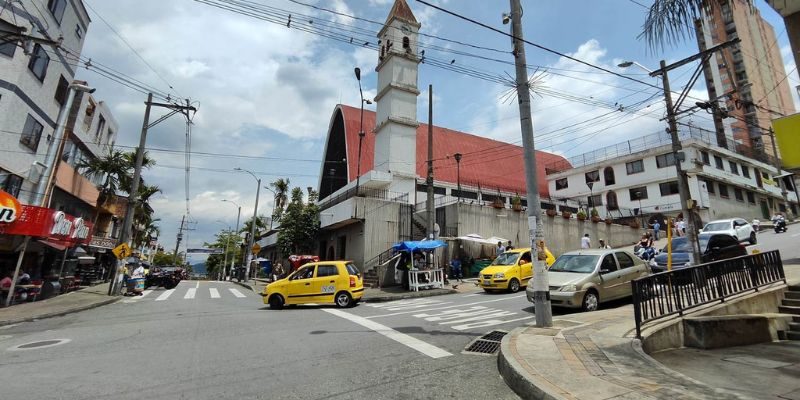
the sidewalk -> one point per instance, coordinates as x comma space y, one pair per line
84, 299
595, 356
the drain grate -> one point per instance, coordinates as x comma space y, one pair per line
39, 344
486, 344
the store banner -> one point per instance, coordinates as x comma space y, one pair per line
39, 222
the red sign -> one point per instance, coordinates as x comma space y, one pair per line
9, 207
45, 223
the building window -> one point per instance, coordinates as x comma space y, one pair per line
638, 193
593, 176
710, 187
704, 156
718, 163
57, 8
7, 48
611, 201
745, 171
61, 91
78, 32
10, 183
634, 167
668, 188
608, 175
734, 167
39, 62
757, 173
101, 125
723, 190
595, 200
665, 160
31, 133
464, 194
738, 194
562, 183
751, 198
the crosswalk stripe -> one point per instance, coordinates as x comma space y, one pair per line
214, 293
236, 292
190, 293
165, 295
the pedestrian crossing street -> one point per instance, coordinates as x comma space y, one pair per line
187, 292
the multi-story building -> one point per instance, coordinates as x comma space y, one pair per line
748, 78
637, 177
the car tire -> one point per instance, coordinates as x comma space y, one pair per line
753, 239
513, 285
276, 302
591, 301
343, 300
488, 290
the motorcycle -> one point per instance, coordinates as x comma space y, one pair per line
167, 278
780, 226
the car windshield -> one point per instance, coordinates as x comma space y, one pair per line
681, 244
581, 263
506, 259
717, 226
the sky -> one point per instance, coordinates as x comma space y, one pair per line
265, 93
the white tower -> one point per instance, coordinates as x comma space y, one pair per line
396, 123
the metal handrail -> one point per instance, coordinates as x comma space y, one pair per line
673, 292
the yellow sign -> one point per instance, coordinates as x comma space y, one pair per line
256, 248
787, 136
122, 251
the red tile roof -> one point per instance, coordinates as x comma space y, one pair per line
490, 163
401, 11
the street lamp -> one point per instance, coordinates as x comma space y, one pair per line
238, 214
221, 273
458, 174
591, 194
253, 224
361, 133
272, 213
626, 64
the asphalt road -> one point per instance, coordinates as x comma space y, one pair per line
217, 340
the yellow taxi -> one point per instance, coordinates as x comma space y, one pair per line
510, 270
337, 282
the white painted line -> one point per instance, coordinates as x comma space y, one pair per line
214, 293
796, 235
414, 343
137, 298
236, 293
197, 285
483, 324
8, 326
146, 292
190, 293
474, 294
442, 308
165, 295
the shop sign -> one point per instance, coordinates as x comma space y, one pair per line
102, 242
9, 208
46, 223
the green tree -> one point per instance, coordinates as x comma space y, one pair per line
670, 22
111, 168
215, 261
300, 226
161, 259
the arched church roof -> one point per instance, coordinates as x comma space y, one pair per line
486, 162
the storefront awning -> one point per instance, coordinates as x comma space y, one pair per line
53, 245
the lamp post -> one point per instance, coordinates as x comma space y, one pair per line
225, 260
361, 133
238, 214
253, 224
458, 174
272, 213
626, 64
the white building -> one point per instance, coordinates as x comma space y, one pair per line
638, 176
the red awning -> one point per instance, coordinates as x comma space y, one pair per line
52, 244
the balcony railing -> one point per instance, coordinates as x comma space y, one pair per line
379, 194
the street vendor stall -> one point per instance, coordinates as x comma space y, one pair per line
425, 274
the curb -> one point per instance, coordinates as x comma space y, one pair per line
381, 299
62, 313
516, 377
244, 285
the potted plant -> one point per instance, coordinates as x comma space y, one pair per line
595, 216
566, 214
609, 221
516, 203
634, 224
581, 215
497, 203
551, 212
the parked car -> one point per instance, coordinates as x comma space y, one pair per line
337, 282
736, 227
586, 278
713, 247
510, 270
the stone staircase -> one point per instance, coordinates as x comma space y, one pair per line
791, 305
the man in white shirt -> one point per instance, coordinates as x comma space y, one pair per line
586, 243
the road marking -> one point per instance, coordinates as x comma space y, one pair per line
236, 293
474, 294
197, 285
190, 293
8, 326
137, 298
414, 343
165, 295
796, 235
446, 307
214, 293
487, 323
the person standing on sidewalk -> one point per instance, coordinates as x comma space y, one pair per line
656, 228
500, 249
586, 243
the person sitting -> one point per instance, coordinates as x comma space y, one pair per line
24, 278
5, 283
603, 244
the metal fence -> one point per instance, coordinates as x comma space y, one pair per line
673, 292
380, 194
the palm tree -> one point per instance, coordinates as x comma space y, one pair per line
281, 187
126, 180
147, 229
669, 22
112, 167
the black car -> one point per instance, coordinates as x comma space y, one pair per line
713, 247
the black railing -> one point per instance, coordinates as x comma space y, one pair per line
381, 258
673, 292
379, 194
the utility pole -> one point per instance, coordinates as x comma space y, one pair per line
233, 259
252, 233
429, 203
221, 273
133, 195
178, 240
541, 291
683, 181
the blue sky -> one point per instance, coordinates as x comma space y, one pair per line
266, 92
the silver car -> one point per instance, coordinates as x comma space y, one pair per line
736, 227
586, 278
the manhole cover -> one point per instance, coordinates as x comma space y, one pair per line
486, 344
39, 344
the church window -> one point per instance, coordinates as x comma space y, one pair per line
406, 43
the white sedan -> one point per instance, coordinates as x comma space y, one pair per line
736, 227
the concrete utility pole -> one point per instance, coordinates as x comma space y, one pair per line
133, 195
429, 203
683, 181
541, 291
178, 240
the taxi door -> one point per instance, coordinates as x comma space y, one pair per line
525, 268
301, 287
325, 282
